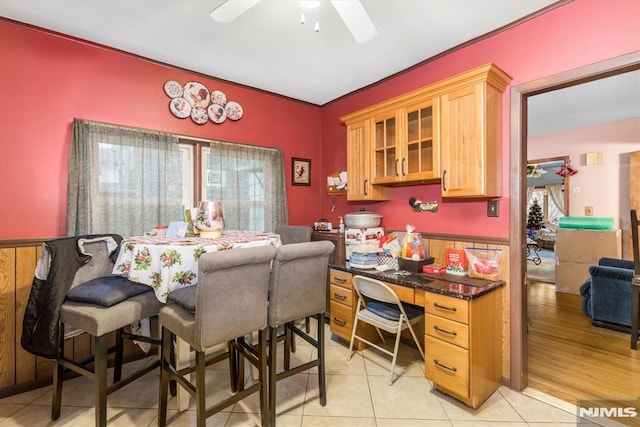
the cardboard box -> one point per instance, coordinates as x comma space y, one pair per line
587, 246
570, 276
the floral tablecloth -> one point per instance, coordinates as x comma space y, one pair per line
167, 264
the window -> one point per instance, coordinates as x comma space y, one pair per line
126, 181
250, 183
551, 212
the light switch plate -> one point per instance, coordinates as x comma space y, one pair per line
493, 208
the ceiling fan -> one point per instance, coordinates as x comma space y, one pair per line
535, 171
351, 11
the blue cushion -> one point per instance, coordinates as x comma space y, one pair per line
107, 291
184, 297
390, 311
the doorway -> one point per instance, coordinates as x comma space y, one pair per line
547, 201
518, 162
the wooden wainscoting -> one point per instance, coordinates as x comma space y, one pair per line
20, 370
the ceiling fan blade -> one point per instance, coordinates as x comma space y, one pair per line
356, 19
231, 9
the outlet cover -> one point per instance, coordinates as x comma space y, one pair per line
588, 211
493, 208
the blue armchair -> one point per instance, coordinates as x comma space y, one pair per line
607, 294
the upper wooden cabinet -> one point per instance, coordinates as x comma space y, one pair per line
449, 131
403, 145
470, 133
359, 185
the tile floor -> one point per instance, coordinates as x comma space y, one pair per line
357, 396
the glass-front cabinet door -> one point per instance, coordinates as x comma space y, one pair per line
386, 149
406, 144
420, 158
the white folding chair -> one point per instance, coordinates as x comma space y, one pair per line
379, 306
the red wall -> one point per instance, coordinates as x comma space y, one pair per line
47, 80
579, 33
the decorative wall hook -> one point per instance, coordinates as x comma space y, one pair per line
419, 206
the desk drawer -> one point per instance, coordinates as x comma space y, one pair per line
447, 330
341, 295
447, 365
405, 293
340, 278
341, 320
448, 307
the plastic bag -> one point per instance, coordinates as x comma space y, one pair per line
483, 263
412, 245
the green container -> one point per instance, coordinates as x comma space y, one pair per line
586, 222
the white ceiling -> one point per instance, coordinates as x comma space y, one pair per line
267, 47
601, 101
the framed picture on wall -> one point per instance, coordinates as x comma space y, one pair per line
300, 171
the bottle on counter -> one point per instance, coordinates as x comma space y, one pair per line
341, 226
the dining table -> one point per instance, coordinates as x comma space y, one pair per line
169, 263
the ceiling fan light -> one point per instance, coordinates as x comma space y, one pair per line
231, 9
356, 19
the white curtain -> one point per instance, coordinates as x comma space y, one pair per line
122, 180
557, 195
250, 182
529, 193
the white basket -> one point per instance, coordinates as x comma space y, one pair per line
388, 260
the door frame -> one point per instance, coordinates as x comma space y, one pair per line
518, 370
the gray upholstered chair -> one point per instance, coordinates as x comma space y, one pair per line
294, 233
229, 302
81, 295
297, 289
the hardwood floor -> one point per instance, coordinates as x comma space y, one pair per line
572, 360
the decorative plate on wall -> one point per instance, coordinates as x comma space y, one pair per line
199, 115
180, 108
234, 110
218, 97
196, 94
194, 99
217, 113
173, 89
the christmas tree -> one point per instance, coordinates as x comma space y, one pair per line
535, 220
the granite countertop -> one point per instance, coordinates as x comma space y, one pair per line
463, 287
